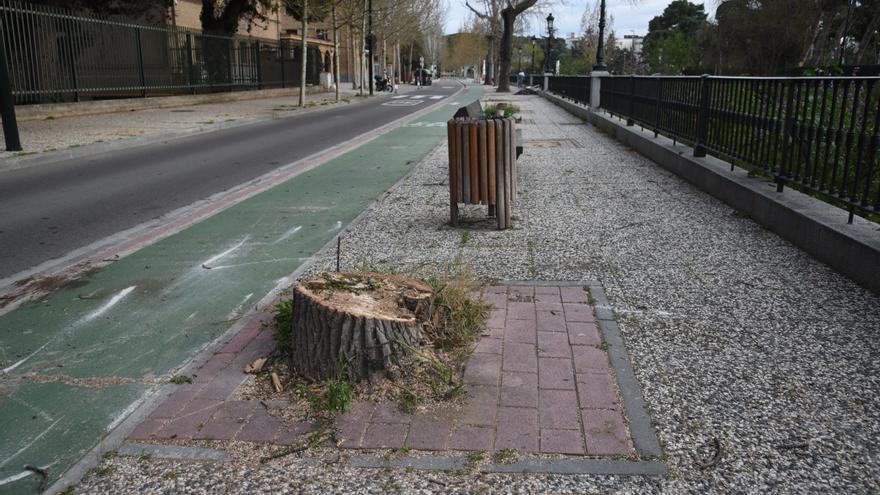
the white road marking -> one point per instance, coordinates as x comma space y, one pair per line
36, 438
398, 97
402, 103
16, 477
235, 312
427, 124
273, 260
416, 97
16, 365
128, 410
288, 234
436, 97
109, 304
225, 253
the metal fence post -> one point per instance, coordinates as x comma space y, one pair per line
281, 49
140, 56
7, 102
190, 80
786, 133
632, 101
259, 72
702, 118
657, 103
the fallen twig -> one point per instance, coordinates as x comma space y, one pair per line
314, 439
276, 382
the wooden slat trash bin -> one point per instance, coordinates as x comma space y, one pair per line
482, 166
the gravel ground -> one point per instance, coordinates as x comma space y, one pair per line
734, 334
54, 134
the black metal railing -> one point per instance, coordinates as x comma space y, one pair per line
575, 88
54, 55
820, 134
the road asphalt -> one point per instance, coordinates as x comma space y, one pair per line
79, 361
51, 209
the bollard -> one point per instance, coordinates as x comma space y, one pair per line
7, 103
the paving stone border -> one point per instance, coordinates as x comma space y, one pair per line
642, 431
171, 452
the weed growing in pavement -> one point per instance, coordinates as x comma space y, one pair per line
506, 456
465, 238
459, 318
475, 458
180, 379
338, 396
102, 471
590, 299
283, 322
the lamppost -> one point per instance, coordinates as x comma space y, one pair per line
532, 67
372, 41
600, 47
548, 62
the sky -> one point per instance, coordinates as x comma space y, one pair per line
629, 17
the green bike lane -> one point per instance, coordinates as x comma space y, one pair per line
77, 362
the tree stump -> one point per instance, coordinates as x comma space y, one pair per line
362, 321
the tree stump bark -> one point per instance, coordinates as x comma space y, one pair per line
361, 322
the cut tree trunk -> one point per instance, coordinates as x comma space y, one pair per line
351, 325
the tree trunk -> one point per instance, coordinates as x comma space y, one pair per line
490, 61
410, 62
335, 50
351, 325
363, 51
305, 56
508, 16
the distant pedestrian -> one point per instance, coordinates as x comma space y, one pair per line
520, 78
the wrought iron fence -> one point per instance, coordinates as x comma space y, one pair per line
575, 88
55, 55
819, 134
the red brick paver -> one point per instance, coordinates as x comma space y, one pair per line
539, 381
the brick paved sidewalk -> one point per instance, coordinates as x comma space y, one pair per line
539, 381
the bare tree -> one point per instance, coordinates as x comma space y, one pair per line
508, 16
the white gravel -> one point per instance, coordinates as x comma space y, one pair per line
734, 333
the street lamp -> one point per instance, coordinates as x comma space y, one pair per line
532, 67
600, 47
548, 62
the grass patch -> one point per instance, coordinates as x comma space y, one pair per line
283, 323
506, 456
24, 153
103, 471
180, 379
501, 109
50, 117
465, 238
459, 318
475, 458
